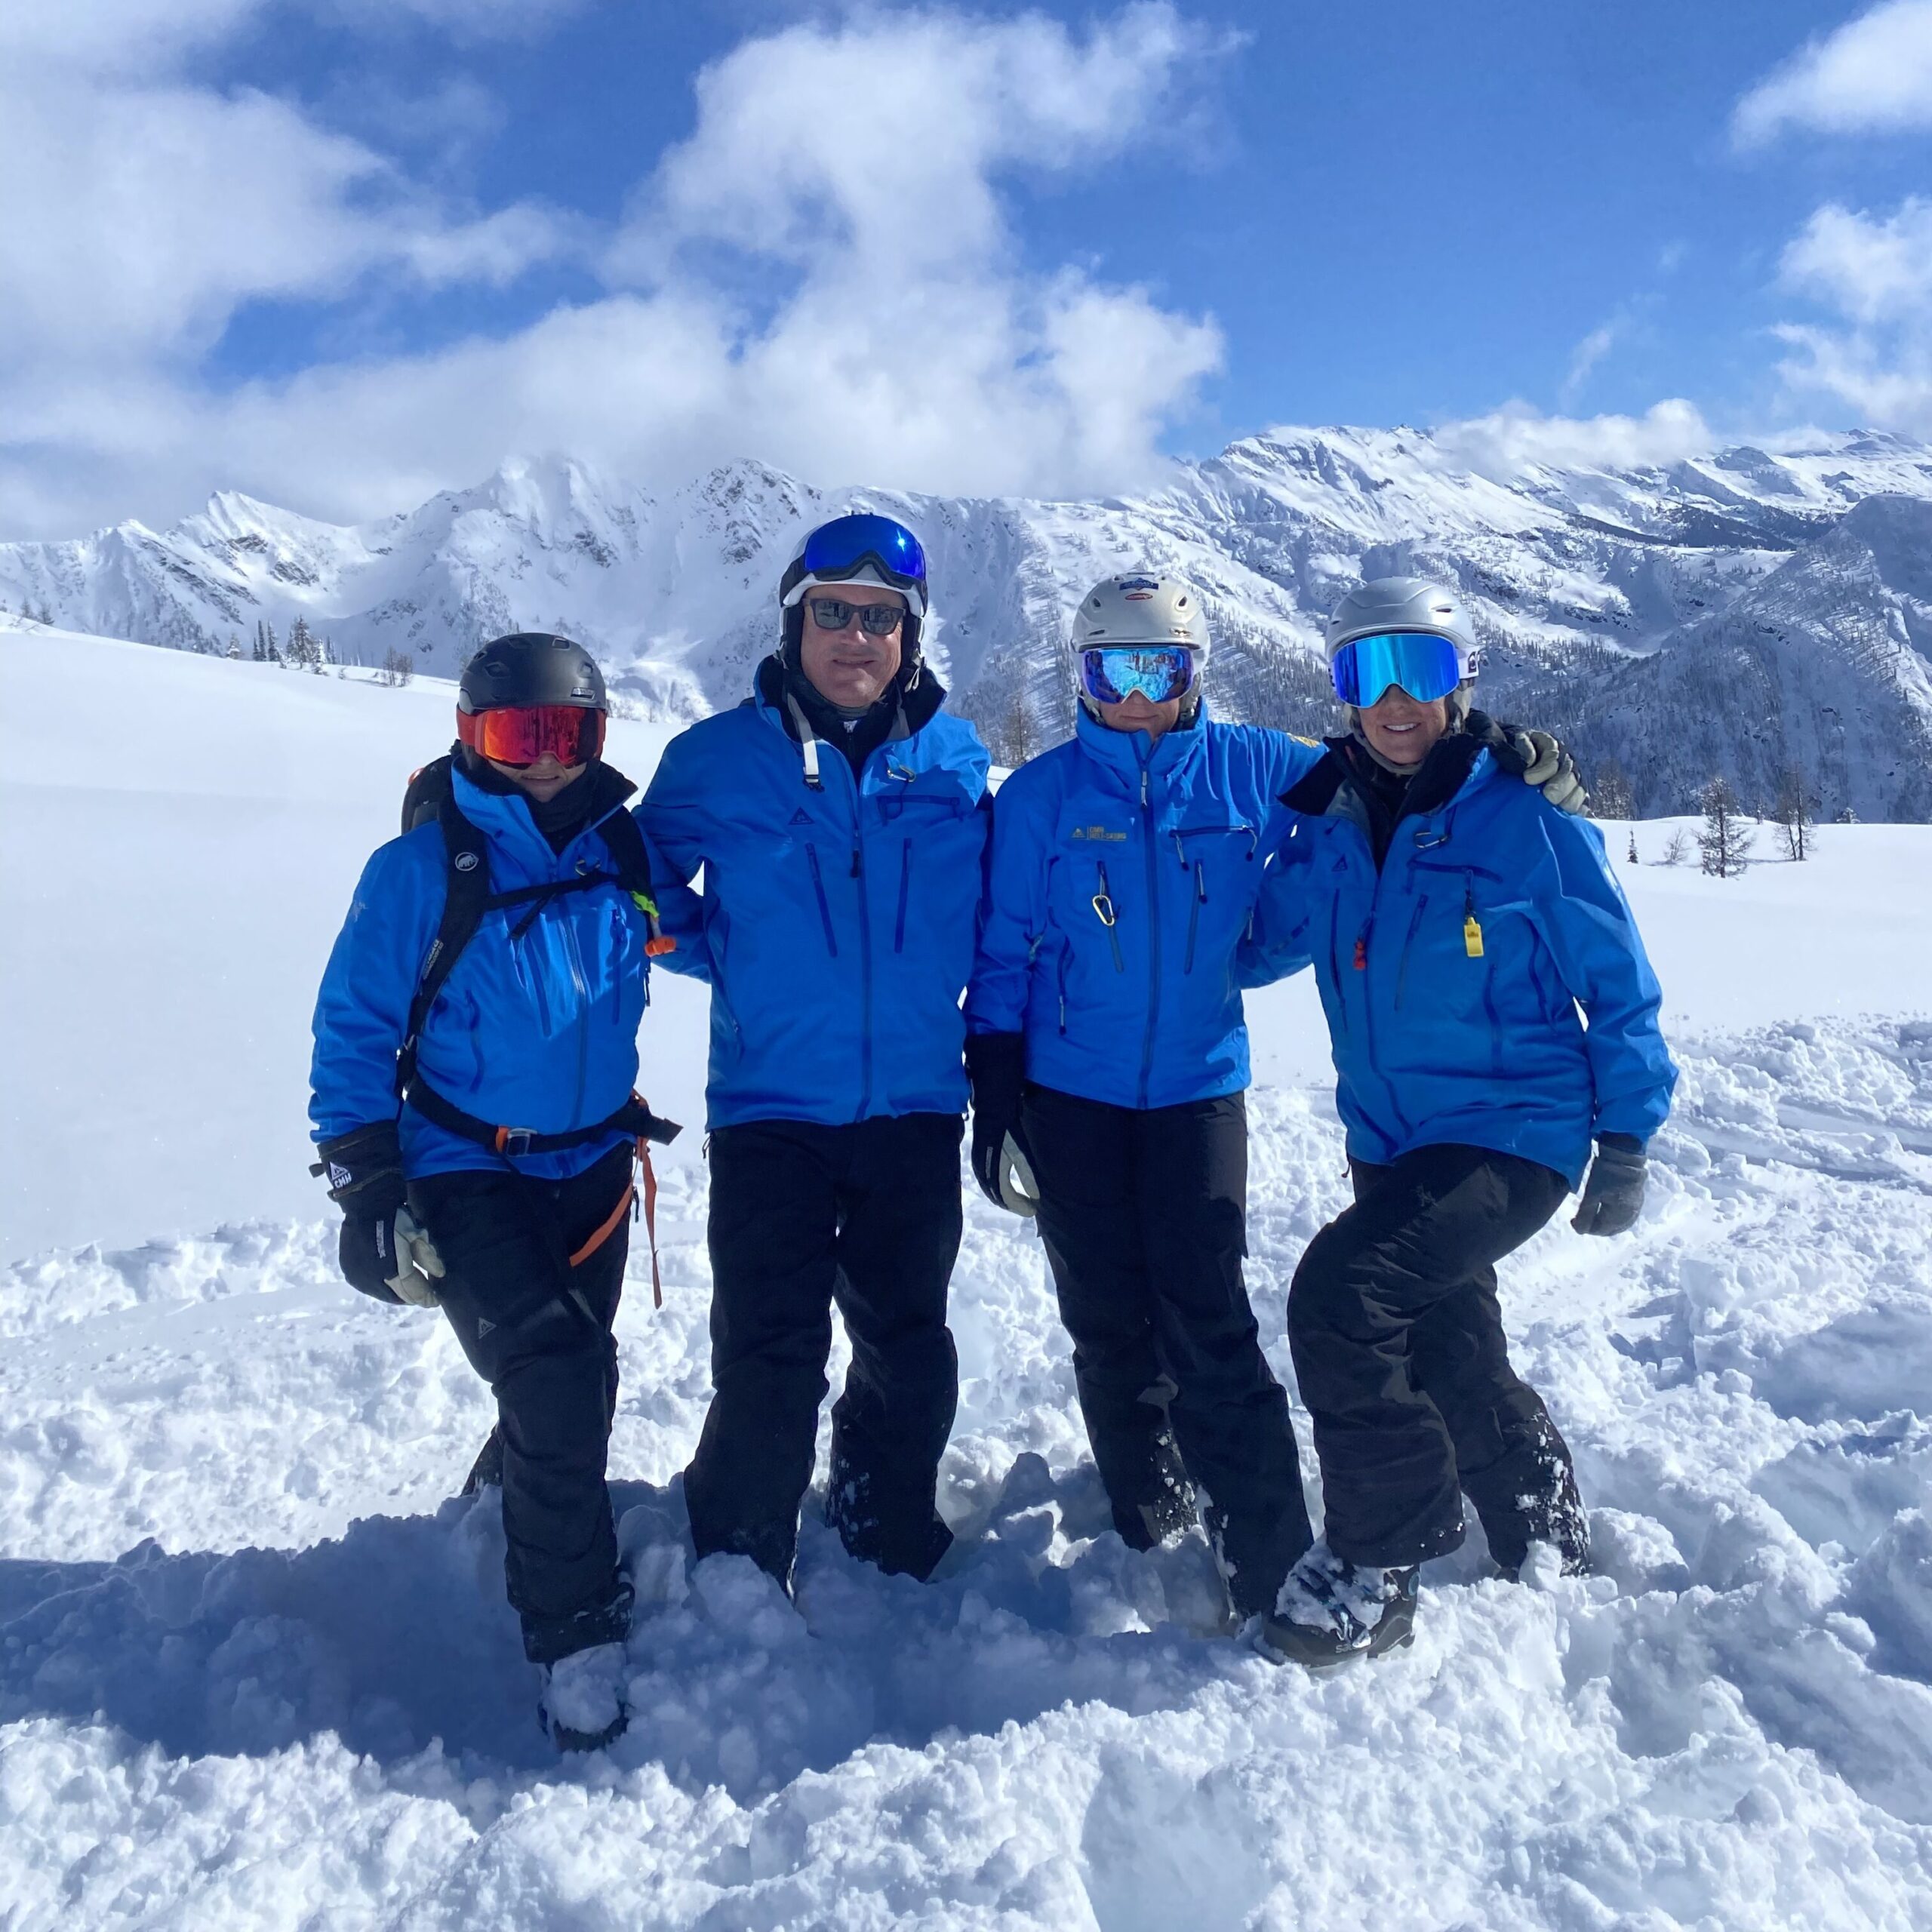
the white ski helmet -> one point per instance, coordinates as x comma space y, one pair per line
1389, 604
1138, 608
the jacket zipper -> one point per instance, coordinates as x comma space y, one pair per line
1153, 929
824, 905
865, 958
904, 889
574, 954
1103, 911
1199, 900
1335, 964
1408, 942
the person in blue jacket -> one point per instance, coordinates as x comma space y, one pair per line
1108, 1058
1492, 1014
838, 816
475, 1047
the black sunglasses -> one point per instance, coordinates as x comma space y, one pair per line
834, 614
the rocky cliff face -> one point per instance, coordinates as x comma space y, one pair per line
1746, 613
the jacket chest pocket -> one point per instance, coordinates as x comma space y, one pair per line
1093, 881
928, 835
1220, 873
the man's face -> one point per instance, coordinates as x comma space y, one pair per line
1137, 711
849, 667
542, 780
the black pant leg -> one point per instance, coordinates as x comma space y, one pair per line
1084, 1162
1510, 1459
900, 1225
1230, 1415
539, 1332
1408, 1252
772, 1231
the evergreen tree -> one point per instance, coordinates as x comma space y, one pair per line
1611, 795
1633, 845
1724, 845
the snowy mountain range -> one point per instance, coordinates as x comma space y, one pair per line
1748, 613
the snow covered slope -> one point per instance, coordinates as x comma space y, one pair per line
1726, 614
256, 1669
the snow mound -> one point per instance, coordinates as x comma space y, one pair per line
1730, 1725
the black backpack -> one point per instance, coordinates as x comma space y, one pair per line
431, 795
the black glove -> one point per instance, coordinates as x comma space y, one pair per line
383, 1251
1534, 757
1614, 1193
1002, 1163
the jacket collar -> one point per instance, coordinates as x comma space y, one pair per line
504, 819
1124, 755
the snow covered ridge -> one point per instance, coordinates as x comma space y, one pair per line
1744, 614
1731, 1726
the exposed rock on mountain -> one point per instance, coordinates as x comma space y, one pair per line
1750, 613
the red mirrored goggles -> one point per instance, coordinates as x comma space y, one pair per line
521, 733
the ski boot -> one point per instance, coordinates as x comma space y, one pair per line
1329, 1610
581, 1706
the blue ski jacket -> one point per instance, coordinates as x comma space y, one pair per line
534, 1028
838, 919
1453, 977
1124, 874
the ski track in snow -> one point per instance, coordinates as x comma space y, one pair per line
255, 1670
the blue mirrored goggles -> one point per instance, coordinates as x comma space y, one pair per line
1159, 672
1424, 664
838, 550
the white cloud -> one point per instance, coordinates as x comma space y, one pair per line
1873, 75
1588, 353
895, 336
1874, 272
1517, 437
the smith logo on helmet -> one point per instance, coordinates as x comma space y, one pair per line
1140, 583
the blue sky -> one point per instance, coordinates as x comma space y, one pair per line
341, 253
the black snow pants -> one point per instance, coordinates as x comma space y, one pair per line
866, 1215
538, 1331
1401, 1359
1144, 1215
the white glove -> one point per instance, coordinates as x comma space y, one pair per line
1019, 1191
1552, 768
417, 1262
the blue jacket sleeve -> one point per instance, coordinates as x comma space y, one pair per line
672, 816
1290, 760
363, 1008
1013, 913
1277, 946
1587, 923
680, 912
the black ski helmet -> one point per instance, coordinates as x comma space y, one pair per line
531, 667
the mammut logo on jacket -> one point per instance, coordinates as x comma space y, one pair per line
1099, 832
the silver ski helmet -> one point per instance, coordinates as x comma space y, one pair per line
1392, 608
1144, 609
861, 548
1393, 604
